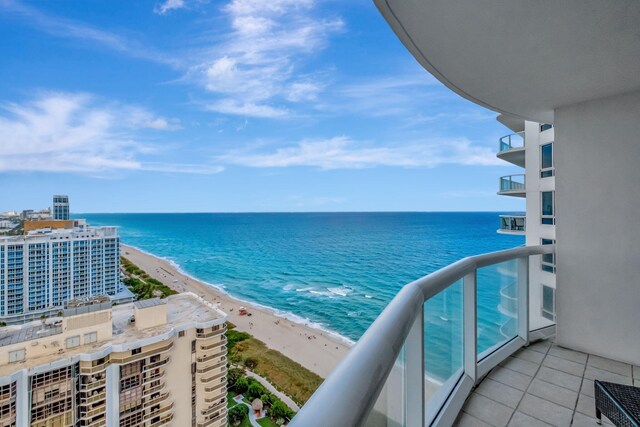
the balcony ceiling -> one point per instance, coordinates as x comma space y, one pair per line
520, 57
514, 123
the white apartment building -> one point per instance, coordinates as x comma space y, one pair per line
530, 147
148, 363
40, 272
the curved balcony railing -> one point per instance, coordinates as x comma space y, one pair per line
512, 224
512, 184
509, 142
390, 378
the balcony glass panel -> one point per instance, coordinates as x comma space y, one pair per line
512, 223
389, 408
515, 140
443, 345
497, 304
512, 183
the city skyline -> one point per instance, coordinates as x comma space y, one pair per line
191, 106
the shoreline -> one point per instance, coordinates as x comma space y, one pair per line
316, 349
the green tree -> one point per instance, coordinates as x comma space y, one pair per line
255, 390
241, 385
280, 410
234, 374
266, 398
237, 413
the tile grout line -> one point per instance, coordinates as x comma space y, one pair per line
575, 408
529, 385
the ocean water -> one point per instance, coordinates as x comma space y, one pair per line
336, 271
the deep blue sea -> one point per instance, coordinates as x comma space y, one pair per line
335, 270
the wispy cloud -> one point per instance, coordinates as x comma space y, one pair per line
62, 132
166, 6
255, 69
344, 153
68, 28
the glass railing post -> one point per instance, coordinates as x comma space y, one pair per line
523, 298
414, 373
470, 325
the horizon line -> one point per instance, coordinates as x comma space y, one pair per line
283, 212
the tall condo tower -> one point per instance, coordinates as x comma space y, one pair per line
61, 207
149, 363
43, 270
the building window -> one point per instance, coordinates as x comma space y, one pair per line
547, 205
548, 303
73, 342
180, 334
135, 351
546, 160
48, 395
545, 126
90, 338
16, 356
548, 263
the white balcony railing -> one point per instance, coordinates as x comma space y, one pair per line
512, 184
509, 142
390, 378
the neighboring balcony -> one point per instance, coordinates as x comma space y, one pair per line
512, 224
512, 185
512, 149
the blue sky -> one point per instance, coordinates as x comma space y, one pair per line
228, 106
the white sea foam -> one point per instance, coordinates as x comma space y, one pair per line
368, 296
310, 288
342, 291
279, 313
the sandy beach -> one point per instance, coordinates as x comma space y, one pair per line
314, 349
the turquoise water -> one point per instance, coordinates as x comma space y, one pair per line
334, 270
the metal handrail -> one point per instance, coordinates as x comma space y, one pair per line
353, 387
507, 141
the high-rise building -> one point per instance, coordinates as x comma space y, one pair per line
531, 147
40, 272
60, 207
149, 363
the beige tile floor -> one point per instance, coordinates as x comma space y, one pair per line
543, 385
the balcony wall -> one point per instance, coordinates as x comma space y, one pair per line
598, 232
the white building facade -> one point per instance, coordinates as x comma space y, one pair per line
531, 147
43, 270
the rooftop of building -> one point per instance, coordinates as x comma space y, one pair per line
49, 230
183, 311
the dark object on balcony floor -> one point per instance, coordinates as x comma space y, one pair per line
620, 403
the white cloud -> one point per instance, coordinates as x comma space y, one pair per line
257, 63
343, 153
67, 28
167, 6
62, 132
231, 106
